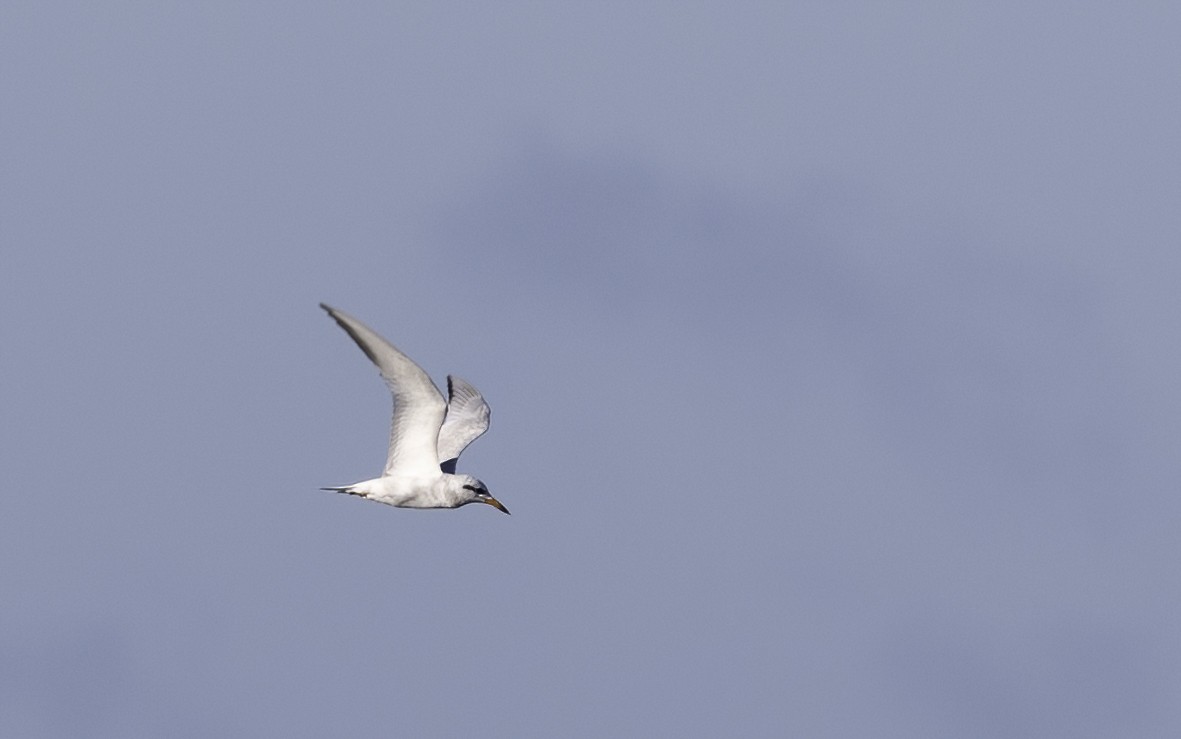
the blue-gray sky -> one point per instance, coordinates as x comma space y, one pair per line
832, 350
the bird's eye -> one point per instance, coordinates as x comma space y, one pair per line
469, 487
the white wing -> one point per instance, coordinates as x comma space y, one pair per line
418, 404
467, 419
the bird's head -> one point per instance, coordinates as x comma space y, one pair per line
475, 491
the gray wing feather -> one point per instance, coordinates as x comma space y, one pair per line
467, 419
418, 405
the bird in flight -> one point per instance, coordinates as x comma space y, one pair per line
427, 434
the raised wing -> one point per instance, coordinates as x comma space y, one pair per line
467, 419
418, 405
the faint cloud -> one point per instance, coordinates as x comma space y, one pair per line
76, 684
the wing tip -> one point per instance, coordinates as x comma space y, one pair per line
457, 387
347, 322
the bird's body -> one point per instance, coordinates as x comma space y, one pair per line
410, 491
427, 433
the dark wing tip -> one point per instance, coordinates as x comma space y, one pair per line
348, 329
460, 389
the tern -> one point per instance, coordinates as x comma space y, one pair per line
427, 433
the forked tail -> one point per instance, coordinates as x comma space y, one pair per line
347, 490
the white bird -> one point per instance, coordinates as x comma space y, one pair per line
427, 433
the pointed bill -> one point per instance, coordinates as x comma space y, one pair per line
496, 504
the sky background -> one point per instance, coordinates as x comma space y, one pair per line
832, 350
